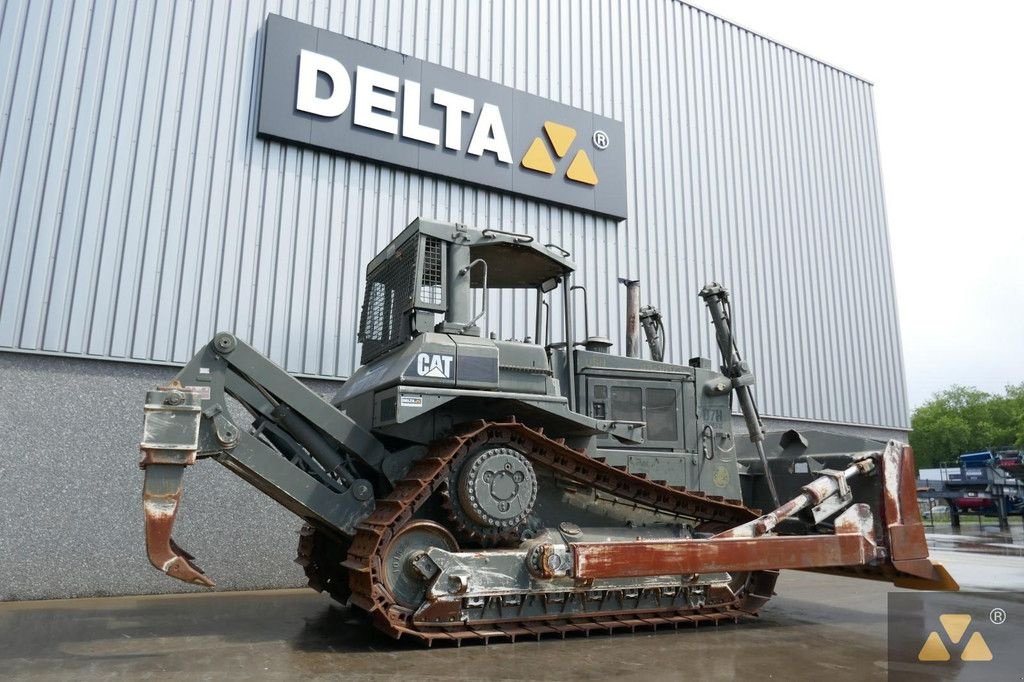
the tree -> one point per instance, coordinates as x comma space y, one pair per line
962, 419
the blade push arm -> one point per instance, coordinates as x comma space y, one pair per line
302, 452
874, 541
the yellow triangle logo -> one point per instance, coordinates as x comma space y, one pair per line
933, 649
955, 625
581, 170
976, 649
537, 158
561, 136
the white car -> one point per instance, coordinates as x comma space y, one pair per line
938, 511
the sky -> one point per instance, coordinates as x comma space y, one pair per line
949, 99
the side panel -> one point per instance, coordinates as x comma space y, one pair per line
476, 362
688, 435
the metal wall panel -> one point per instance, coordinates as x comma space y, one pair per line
139, 213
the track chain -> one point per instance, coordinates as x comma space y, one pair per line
321, 554
428, 474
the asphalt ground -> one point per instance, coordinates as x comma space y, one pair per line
818, 627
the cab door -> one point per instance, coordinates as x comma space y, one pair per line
660, 404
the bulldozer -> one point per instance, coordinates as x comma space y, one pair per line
461, 487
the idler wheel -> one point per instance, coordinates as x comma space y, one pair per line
497, 488
402, 568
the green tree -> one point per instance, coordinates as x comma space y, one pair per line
962, 419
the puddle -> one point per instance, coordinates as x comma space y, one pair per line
985, 538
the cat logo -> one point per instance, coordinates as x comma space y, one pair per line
561, 138
434, 365
955, 625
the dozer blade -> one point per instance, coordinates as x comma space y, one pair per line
169, 445
907, 563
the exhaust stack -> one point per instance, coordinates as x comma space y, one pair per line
632, 317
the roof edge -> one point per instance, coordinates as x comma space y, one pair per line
700, 9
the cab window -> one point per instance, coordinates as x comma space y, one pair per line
662, 416
627, 403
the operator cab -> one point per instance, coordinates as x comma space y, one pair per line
422, 346
429, 271
420, 320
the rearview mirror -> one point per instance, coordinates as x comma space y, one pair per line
549, 285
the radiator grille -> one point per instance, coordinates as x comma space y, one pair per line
431, 288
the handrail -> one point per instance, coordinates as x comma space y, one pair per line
586, 309
483, 307
556, 247
518, 236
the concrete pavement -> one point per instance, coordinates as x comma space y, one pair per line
818, 627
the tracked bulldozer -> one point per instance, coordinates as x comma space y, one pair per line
460, 487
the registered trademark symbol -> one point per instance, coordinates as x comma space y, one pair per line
600, 139
997, 616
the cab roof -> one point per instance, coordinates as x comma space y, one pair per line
514, 261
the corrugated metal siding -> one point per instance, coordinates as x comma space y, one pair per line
139, 213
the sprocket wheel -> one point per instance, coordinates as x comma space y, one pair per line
490, 495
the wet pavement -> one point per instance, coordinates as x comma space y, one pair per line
818, 627
300, 635
982, 539
980, 557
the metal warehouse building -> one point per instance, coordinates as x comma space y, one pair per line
143, 207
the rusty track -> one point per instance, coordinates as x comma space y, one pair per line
320, 554
427, 476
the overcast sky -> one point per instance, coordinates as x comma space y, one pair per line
949, 99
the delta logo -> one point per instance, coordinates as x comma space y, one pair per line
955, 626
386, 103
559, 140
